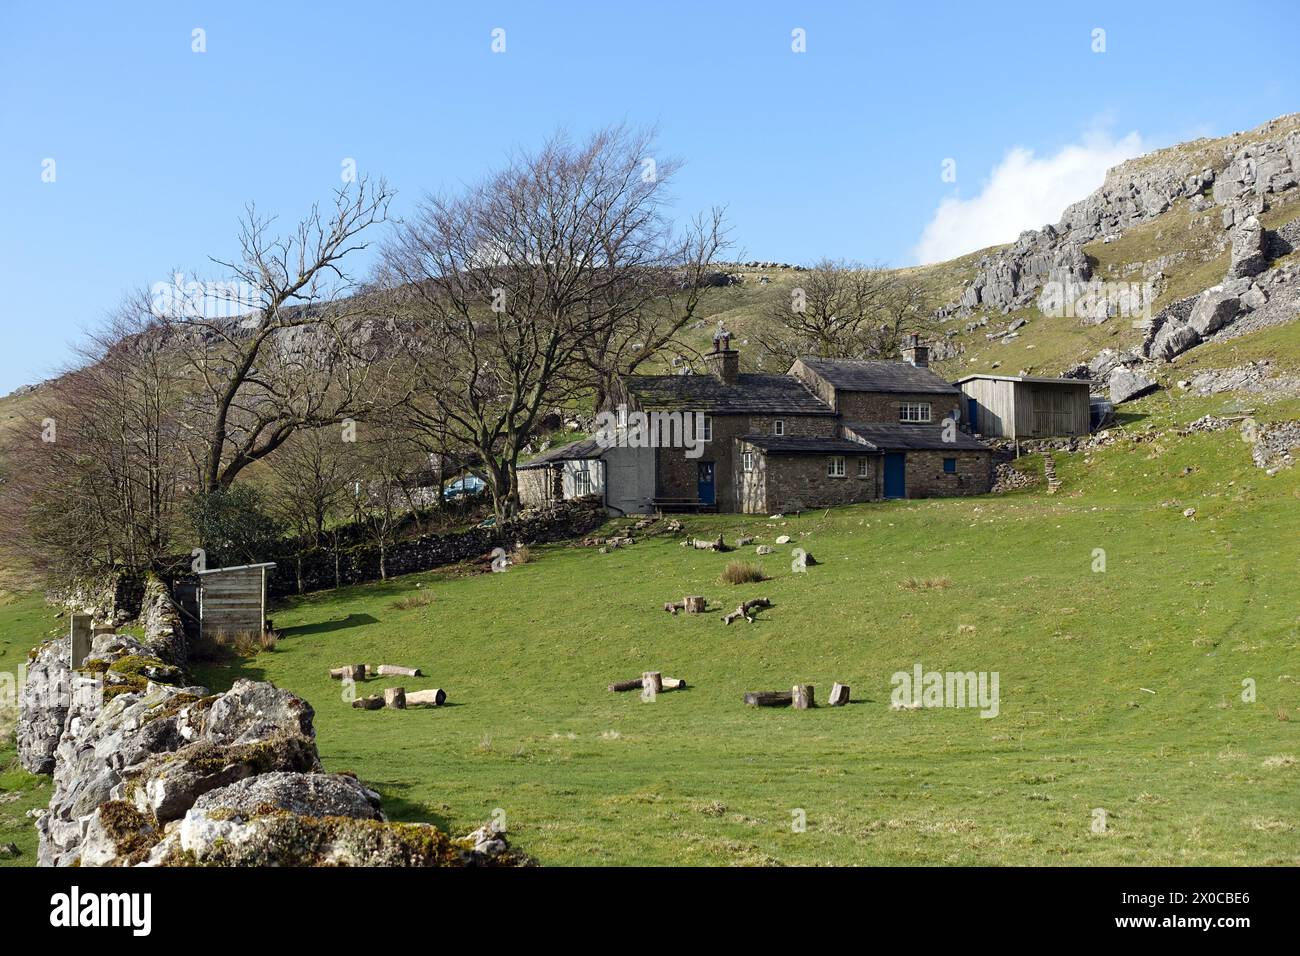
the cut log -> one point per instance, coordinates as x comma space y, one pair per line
374, 702
801, 697
426, 698
395, 698
668, 683
354, 672
652, 682
769, 698
392, 670
744, 609
700, 544
839, 695
694, 604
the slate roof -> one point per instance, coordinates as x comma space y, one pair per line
574, 451
852, 375
789, 445
753, 394
888, 437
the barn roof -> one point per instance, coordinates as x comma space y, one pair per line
789, 445
753, 394
1033, 379
890, 437
237, 567
853, 375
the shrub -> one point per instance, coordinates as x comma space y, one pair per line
247, 644
521, 554
269, 640
925, 584
411, 601
742, 572
233, 527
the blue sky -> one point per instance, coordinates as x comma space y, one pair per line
836, 152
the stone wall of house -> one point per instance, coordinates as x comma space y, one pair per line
884, 408
678, 476
539, 487
927, 479
796, 482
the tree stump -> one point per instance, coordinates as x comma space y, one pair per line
839, 695
395, 698
354, 672
653, 682
694, 604
801, 696
426, 698
768, 698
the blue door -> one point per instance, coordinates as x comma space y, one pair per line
707, 493
895, 475
972, 415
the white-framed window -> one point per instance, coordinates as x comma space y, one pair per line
778, 427
708, 428
835, 467
863, 468
914, 412
748, 460
582, 484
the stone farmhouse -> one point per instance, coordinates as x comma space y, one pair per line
827, 432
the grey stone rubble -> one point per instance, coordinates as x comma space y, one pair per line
150, 771
1259, 378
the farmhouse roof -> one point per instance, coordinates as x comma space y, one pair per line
789, 445
889, 437
853, 375
753, 394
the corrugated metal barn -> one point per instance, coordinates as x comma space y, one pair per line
1023, 406
233, 600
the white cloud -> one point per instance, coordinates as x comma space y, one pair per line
1024, 192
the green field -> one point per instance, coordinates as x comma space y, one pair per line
1119, 690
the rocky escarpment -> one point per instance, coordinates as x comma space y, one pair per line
1240, 176
151, 770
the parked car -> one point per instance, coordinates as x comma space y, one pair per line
467, 486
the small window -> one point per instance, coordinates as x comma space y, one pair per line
582, 484
622, 416
708, 428
950, 466
835, 467
749, 461
778, 427
914, 412
863, 468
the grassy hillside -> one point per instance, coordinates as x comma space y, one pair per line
1120, 690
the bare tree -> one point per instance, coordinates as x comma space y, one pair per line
98, 466
506, 291
669, 298
845, 310
291, 347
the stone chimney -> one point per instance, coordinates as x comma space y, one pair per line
723, 361
914, 353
